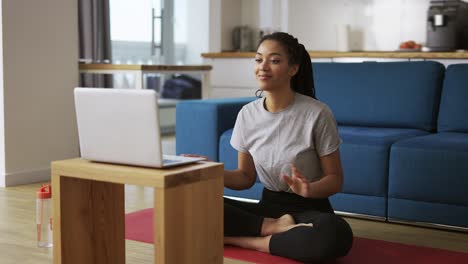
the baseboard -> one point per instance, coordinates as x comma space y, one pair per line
25, 177
429, 225
361, 216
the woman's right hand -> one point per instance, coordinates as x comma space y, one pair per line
196, 156
297, 182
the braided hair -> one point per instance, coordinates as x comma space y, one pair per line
303, 81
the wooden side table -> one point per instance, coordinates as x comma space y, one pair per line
89, 217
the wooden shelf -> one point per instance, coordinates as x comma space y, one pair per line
360, 54
137, 67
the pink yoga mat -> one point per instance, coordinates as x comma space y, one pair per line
139, 227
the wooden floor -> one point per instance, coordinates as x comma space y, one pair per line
18, 233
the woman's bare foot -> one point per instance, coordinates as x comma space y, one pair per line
284, 223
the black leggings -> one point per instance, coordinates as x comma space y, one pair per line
330, 236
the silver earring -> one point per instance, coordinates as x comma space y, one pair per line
259, 93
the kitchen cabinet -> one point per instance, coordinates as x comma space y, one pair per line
232, 74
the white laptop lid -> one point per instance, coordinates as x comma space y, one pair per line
119, 126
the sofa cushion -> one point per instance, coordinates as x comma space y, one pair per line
200, 123
365, 153
427, 212
376, 94
431, 168
227, 154
453, 105
254, 192
429, 178
360, 204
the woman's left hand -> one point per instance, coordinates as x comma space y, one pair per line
297, 182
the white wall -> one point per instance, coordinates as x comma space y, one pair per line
197, 29
2, 134
250, 11
230, 21
374, 24
40, 70
214, 28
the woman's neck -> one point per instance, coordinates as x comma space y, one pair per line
277, 101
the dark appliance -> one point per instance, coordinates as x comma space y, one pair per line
447, 25
242, 38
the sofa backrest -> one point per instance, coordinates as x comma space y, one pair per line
454, 103
200, 123
381, 94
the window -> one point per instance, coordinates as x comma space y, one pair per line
148, 31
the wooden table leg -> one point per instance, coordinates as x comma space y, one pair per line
89, 221
188, 223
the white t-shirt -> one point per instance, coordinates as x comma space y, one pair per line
299, 134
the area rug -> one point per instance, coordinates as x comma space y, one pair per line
139, 227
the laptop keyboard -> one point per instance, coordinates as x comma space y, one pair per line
169, 161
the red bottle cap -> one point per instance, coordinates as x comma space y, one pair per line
45, 192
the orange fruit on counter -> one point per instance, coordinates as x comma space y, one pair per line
410, 44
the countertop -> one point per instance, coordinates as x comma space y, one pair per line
138, 67
370, 54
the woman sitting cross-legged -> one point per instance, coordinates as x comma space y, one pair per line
290, 141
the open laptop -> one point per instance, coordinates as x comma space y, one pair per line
122, 126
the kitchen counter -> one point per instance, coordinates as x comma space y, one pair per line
232, 73
140, 67
139, 71
360, 54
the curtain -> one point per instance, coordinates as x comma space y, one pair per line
95, 40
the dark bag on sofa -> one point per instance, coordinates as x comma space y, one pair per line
182, 87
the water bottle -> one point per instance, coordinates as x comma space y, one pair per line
44, 216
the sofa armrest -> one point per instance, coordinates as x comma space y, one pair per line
200, 123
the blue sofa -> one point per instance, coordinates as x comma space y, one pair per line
428, 178
404, 131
